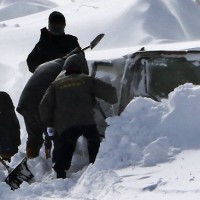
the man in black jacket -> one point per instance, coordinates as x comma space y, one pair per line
67, 109
53, 43
48, 53
28, 105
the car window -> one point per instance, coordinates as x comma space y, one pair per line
165, 74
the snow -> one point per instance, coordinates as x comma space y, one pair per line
152, 150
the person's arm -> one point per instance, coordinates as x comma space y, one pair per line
46, 107
36, 57
104, 91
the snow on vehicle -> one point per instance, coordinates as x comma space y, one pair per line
152, 74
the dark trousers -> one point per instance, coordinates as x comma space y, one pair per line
64, 146
9, 132
7, 144
35, 130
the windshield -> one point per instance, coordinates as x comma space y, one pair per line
165, 74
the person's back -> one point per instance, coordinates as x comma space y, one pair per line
67, 108
78, 92
75, 96
53, 43
9, 127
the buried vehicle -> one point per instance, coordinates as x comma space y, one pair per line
152, 74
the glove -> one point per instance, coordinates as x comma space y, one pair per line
50, 131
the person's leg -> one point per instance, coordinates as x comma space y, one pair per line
93, 138
35, 134
6, 147
13, 128
64, 147
15, 139
47, 145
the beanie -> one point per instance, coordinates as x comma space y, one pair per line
56, 23
75, 64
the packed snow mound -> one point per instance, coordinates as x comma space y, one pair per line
10, 9
145, 132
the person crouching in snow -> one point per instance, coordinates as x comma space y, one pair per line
67, 108
9, 128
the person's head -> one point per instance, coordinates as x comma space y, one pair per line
75, 64
57, 23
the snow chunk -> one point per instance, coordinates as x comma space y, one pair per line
156, 152
94, 183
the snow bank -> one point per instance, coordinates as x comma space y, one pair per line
148, 132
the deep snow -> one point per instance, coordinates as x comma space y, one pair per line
151, 150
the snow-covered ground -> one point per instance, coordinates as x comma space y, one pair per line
152, 149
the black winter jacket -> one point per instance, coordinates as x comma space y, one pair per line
9, 124
50, 47
37, 85
5, 102
70, 101
7, 112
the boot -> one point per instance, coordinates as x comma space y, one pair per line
61, 174
32, 152
6, 156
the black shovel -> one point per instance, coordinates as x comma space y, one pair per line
91, 46
17, 175
94, 42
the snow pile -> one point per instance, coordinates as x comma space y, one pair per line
148, 132
145, 134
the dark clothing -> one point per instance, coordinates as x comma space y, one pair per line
9, 126
5, 102
65, 145
32, 94
68, 106
28, 105
39, 82
70, 101
35, 130
46, 57
37, 85
50, 47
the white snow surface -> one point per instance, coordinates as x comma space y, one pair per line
150, 151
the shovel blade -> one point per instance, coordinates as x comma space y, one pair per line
19, 174
96, 40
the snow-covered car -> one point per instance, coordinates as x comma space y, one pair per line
152, 74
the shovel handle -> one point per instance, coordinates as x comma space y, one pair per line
91, 46
5, 165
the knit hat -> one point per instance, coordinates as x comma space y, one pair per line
56, 23
75, 64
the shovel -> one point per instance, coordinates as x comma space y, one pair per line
17, 175
91, 46
94, 42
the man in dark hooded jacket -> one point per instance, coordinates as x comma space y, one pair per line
9, 128
67, 108
28, 105
53, 43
